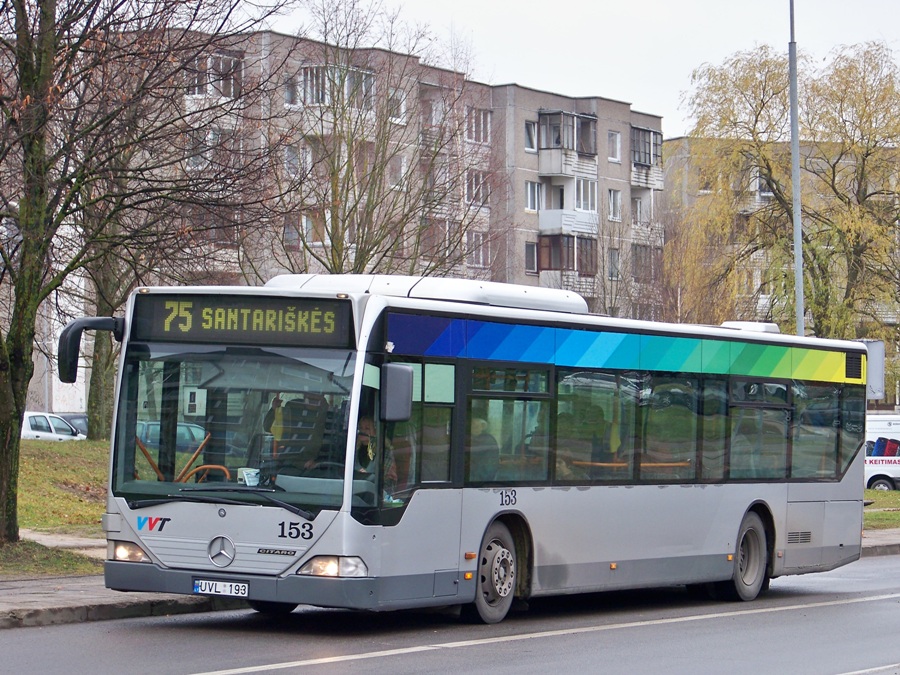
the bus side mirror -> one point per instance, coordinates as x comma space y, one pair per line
70, 341
396, 392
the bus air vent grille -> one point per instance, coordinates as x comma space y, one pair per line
854, 367
799, 537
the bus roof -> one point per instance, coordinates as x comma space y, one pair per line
490, 293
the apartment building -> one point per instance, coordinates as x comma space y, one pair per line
584, 176
402, 167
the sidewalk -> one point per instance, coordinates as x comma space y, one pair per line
41, 601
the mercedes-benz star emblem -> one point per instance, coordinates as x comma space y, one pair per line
221, 551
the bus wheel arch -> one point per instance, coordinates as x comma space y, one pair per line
503, 570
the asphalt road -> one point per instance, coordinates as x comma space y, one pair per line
841, 622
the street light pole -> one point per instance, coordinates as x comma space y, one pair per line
795, 180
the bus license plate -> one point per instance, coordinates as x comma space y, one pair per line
209, 587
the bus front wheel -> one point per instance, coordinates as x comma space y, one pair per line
751, 561
496, 576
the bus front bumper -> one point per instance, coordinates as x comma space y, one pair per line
379, 593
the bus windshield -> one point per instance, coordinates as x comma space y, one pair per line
233, 424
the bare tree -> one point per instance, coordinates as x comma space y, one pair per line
96, 146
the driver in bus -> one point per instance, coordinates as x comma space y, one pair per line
367, 454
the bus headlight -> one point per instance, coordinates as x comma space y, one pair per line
334, 566
129, 552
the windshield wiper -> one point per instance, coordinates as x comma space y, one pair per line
168, 499
262, 492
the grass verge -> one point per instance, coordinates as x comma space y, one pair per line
62, 489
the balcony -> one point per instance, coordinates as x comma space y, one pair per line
646, 176
568, 221
565, 162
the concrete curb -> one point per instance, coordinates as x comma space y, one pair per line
880, 549
125, 609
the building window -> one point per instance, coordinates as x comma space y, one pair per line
586, 135
476, 249
531, 136
315, 85
199, 149
227, 72
477, 191
615, 205
646, 146
435, 237
645, 261
637, 212
313, 228
297, 160
587, 256
761, 185
293, 239
211, 225
291, 92
432, 113
397, 172
586, 195
613, 271
396, 106
614, 141
360, 89
533, 194
478, 125
557, 252
531, 260
219, 74
197, 76
569, 131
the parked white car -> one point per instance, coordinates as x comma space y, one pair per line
882, 451
49, 427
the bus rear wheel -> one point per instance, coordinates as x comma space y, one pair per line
270, 608
496, 576
751, 562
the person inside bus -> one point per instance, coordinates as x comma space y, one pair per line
483, 453
273, 422
368, 455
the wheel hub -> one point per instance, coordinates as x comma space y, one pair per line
503, 572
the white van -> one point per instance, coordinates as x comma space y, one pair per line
48, 427
882, 451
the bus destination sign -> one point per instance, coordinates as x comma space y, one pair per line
242, 319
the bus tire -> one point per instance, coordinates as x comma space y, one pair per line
882, 484
495, 576
270, 608
750, 562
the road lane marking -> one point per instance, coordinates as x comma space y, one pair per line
547, 634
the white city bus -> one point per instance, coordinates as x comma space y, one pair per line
381, 442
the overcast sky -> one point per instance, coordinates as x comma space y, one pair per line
643, 51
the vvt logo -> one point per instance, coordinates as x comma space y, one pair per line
152, 524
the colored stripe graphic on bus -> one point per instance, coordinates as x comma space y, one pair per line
474, 339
